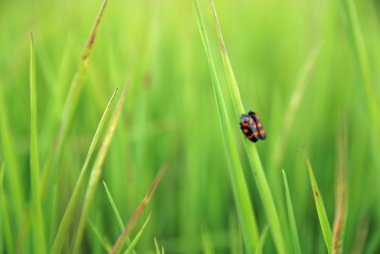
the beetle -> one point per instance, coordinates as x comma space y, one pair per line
252, 127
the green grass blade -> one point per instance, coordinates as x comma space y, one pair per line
97, 170
106, 245
6, 227
263, 238
341, 196
67, 216
156, 246
12, 164
1, 202
239, 186
291, 217
39, 243
254, 158
137, 237
322, 215
114, 208
50, 167
132, 221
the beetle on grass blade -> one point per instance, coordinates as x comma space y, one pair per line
251, 126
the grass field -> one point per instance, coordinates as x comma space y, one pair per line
119, 126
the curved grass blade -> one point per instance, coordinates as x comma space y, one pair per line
254, 158
239, 186
97, 170
131, 223
322, 215
137, 237
291, 217
67, 216
50, 167
341, 199
39, 243
263, 238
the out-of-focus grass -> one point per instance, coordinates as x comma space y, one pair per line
170, 113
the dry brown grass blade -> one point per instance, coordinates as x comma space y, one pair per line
341, 191
127, 229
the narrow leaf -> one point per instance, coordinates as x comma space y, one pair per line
67, 216
50, 167
137, 237
39, 243
254, 158
97, 170
113, 205
239, 186
322, 215
291, 217
263, 238
341, 199
132, 221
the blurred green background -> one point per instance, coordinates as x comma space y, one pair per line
279, 50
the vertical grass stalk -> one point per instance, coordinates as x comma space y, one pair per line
321, 211
39, 243
239, 186
340, 197
254, 158
291, 217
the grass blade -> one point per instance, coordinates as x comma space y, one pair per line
254, 158
107, 246
322, 215
239, 186
263, 238
97, 170
113, 205
12, 163
341, 199
39, 243
50, 168
67, 216
1, 202
291, 217
127, 229
158, 251
137, 237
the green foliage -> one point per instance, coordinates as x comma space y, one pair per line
300, 65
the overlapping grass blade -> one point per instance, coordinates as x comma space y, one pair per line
291, 217
106, 245
132, 221
239, 186
322, 215
97, 170
39, 243
341, 199
67, 216
50, 167
254, 158
137, 237
114, 208
263, 238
